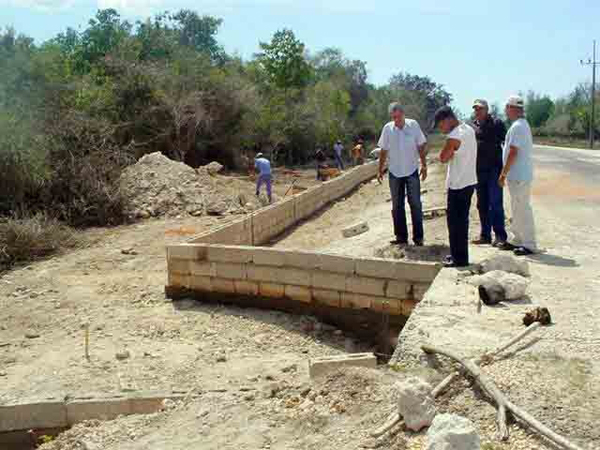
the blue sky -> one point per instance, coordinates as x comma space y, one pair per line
483, 48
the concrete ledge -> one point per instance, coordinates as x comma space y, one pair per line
38, 414
47, 414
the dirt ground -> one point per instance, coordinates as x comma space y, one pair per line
247, 369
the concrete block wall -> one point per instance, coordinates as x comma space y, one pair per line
269, 222
60, 413
304, 278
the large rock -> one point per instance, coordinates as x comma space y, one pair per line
497, 286
213, 168
415, 403
506, 263
452, 432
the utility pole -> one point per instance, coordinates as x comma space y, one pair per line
592, 62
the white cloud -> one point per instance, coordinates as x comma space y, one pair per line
40, 5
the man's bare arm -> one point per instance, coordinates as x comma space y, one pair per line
450, 147
423, 156
512, 156
382, 159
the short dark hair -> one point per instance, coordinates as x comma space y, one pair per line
443, 113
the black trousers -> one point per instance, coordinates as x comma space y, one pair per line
459, 203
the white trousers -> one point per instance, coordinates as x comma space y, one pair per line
523, 225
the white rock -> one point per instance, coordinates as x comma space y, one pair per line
415, 403
501, 285
506, 263
452, 432
213, 167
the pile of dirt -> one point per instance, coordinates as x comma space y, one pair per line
158, 186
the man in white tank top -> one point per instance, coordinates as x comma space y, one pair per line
460, 152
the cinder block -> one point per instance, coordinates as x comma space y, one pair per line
386, 305
398, 289
355, 230
271, 289
229, 254
231, 271
294, 276
263, 273
355, 301
181, 266
199, 283
203, 269
328, 280
320, 366
179, 280
408, 306
302, 260
377, 268
417, 271
419, 290
99, 409
336, 263
35, 415
326, 297
244, 287
205, 238
187, 251
299, 293
268, 256
222, 285
364, 285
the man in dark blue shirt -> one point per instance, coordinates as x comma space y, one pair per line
490, 132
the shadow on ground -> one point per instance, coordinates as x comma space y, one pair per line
554, 260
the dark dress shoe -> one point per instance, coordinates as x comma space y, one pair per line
522, 251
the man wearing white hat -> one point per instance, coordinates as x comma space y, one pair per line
517, 172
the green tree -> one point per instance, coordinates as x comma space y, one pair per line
538, 108
433, 94
283, 60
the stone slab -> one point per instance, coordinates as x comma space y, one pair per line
320, 366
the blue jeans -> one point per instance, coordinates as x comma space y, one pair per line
490, 204
459, 203
338, 161
266, 179
401, 188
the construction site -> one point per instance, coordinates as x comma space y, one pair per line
219, 321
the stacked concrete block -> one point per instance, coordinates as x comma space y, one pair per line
241, 270
238, 232
383, 286
273, 220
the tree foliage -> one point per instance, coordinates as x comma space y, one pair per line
78, 108
283, 60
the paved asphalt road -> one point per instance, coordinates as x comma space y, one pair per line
583, 165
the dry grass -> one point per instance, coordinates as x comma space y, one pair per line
30, 238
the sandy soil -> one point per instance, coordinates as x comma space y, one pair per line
248, 367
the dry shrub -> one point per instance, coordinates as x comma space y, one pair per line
86, 163
26, 239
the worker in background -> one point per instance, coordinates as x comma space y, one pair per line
338, 149
263, 166
490, 132
320, 159
460, 153
357, 152
518, 172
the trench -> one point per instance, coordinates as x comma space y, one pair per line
320, 232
